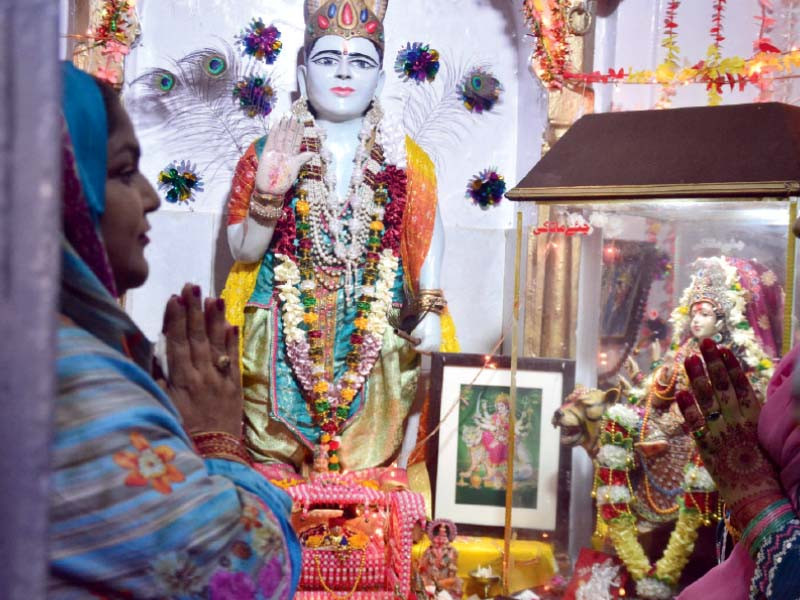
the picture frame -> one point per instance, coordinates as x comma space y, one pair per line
466, 459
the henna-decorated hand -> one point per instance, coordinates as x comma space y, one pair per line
281, 160
724, 423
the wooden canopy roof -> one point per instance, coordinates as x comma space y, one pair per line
722, 151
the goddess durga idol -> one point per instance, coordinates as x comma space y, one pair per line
334, 224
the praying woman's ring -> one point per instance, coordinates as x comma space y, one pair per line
223, 363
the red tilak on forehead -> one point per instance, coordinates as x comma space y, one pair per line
345, 49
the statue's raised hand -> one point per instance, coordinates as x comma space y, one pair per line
281, 161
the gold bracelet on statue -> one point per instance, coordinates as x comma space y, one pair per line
219, 444
430, 301
266, 199
265, 214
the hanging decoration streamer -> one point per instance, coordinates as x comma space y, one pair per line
480, 90
114, 30
417, 62
670, 45
551, 59
487, 189
180, 181
716, 23
260, 41
255, 95
551, 53
764, 45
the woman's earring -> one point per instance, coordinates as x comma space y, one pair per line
717, 337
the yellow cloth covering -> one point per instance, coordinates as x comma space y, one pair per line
532, 563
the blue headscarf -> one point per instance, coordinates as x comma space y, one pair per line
87, 124
87, 281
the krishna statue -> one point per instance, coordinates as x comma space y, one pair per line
334, 226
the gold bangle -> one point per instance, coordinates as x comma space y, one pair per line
430, 301
268, 199
265, 214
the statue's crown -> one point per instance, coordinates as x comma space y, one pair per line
345, 18
710, 284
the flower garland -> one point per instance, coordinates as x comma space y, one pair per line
296, 281
114, 30
614, 493
551, 53
551, 56
670, 44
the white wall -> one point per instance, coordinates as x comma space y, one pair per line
187, 242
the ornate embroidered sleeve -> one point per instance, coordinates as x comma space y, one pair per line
135, 512
776, 550
244, 181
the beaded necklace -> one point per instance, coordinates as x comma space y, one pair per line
346, 245
338, 241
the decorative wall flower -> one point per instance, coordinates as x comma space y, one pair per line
487, 188
255, 94
149, 466
480, 90
180, 181
260, 41
417, 62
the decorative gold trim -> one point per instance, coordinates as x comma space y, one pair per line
672, 190
788, 307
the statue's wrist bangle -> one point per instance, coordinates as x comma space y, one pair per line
266, 199
430, 301
265, 214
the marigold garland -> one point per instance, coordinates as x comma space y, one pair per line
614, 494
330, 401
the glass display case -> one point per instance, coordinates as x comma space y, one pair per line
652, 231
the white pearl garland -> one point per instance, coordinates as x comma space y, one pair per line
344, 245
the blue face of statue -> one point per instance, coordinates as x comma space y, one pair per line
341, 77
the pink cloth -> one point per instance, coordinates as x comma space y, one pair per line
779, 434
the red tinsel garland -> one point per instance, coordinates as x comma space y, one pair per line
551, 59
285, 230
395, 181
716, 23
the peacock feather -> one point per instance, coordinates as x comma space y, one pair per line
434, 116
189, 109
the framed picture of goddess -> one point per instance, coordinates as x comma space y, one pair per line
468, 454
